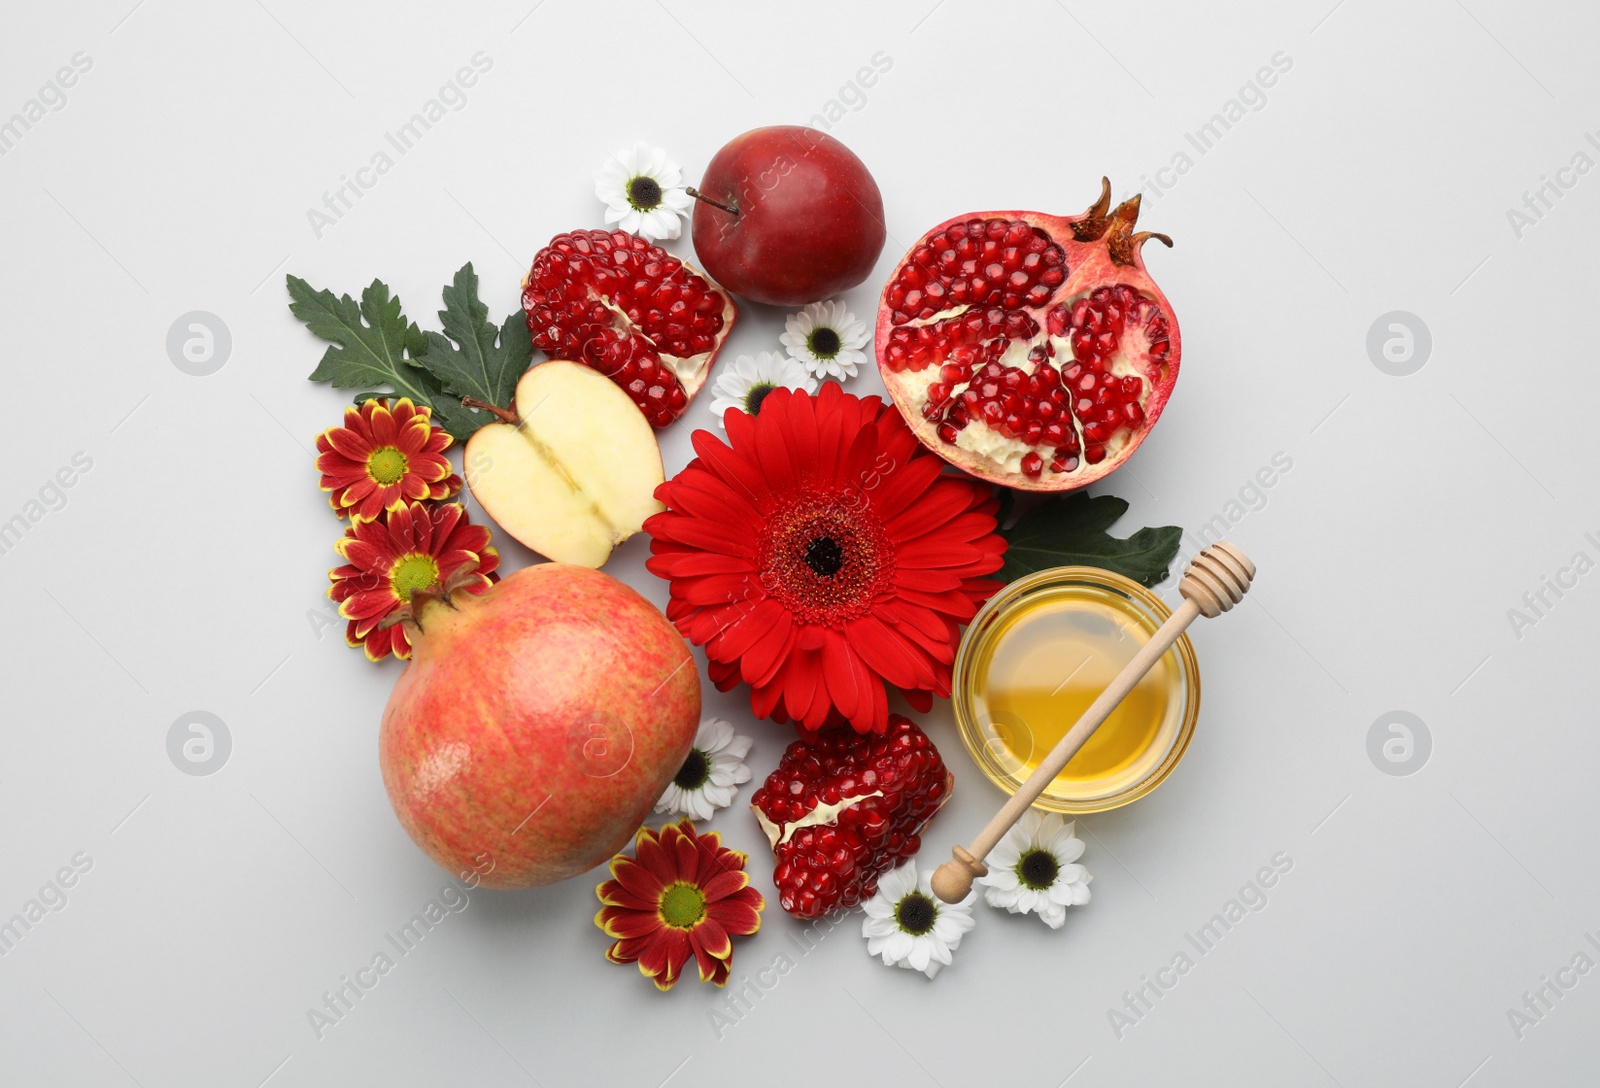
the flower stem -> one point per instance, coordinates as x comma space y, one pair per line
698, 195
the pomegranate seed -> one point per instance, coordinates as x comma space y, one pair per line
657, 296
1064, 406
1032, 464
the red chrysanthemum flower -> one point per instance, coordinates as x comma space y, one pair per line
684, 895
420, 546
822, 554
383, 458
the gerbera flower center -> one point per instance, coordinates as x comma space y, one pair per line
757, 394
1038, 869
916, 914
386, 465
824, 342
694, 772
644, 193
413, 572
825, 557
682, 906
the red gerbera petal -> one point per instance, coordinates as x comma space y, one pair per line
821, 555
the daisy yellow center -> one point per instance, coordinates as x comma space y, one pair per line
916, 914
386, 465
824, 342
413, 572
682, 906
825, 557
644, 193
694, 772
757, 394
1037, 869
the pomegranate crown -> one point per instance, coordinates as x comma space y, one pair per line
1115, 227
442, 592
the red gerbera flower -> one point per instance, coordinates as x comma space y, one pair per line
419, 546
684, 895
822, 554
383, 458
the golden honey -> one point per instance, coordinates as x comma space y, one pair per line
1034, 659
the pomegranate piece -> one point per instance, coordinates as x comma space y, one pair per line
631, 310
845, 808
1031, 350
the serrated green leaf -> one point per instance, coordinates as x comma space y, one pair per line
373, 347
1071, 531
472, 358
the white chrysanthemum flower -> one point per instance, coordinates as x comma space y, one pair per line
643, 192
827, 340
1033, 869
746, 383
711, 775
909, 926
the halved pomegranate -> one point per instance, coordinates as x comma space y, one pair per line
1030, 350
631, 310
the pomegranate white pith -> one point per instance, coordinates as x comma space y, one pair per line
1031, 350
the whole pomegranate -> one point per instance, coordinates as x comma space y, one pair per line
1031, 350
536, 724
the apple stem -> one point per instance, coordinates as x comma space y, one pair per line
504, 415
698, 195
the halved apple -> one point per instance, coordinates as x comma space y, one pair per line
573, 471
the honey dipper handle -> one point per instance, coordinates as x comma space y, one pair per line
1215, 581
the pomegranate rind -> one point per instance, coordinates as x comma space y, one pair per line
1090, 264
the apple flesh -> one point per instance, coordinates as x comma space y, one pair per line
536, 724
800, 218
576, 474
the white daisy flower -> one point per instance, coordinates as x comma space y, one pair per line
643, 192
1032, 869
711, 775
909, 926
746, 383
827, 339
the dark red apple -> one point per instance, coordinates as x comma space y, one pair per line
787, 215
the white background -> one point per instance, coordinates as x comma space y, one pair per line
186, 568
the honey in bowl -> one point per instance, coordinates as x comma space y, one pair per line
1039, 654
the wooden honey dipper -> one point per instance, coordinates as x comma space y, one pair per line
1216, 580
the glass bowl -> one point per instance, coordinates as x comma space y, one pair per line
1081, 624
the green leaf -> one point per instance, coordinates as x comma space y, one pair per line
1071, 531
467, 358
373, 347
